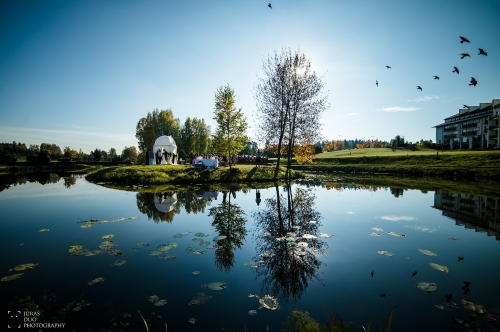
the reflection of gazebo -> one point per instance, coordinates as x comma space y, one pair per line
165, 202
167, 143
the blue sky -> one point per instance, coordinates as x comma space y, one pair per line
82, 73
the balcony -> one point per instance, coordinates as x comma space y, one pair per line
450, 136
493, 137
493, 127
468, 125
450, 128
470, 133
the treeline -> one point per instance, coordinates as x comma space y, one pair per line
191, 137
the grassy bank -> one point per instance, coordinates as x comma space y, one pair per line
185, 174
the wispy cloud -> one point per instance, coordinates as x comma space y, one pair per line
350, 212
398, 218
422, 229
399, 109
352, 113
424, 99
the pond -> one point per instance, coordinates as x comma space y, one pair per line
203, 258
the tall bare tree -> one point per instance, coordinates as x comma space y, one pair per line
290, 101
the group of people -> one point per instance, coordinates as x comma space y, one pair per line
158, 157
222, 160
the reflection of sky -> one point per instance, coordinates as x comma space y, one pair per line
346, 285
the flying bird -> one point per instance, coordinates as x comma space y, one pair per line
483, 52
456, 70
414, 273
376, 82
436, 77
419, 87
464, 55
270, 6
388, 67
463, 39
473, 81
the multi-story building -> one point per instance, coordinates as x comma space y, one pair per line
475, 127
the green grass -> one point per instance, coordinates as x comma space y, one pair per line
185, 174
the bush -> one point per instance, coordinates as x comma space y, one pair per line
6, 158
41, 159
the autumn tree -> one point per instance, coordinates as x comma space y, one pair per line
328, 146
69, 153
289, 104
339, 145
229, 137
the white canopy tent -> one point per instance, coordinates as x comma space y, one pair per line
167, 143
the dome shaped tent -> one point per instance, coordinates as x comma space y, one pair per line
167, 143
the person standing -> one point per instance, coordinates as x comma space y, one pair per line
158, 157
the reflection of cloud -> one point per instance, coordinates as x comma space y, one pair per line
423, 99
422, 229
399, 109
398, 218
350, 212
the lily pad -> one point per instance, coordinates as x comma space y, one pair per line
154, 253
217, 285
160, 303
108, 244
268, 302
378, 230
105, 221
219, 237
199, 299
96, 280
26, 266
308, 236
325, 235
473, 307
200, 234
109, 236
196, 272
252, 312
427, 252
178, 236
119, 262
375, 234
142, 244
153, 298
133, 218
427, 286
42, 230
75, 248
396, 234
166, 247
204, 244
197, 239
169, 257
438, 267
192, 320
12, 277
385, 253
115, 252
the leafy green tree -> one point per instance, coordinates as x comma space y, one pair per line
155, 124
69, 153
229, 137
130, 154
112, 153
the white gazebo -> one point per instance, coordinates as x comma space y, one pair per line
165, 203
167, 143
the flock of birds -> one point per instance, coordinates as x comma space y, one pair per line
473, 81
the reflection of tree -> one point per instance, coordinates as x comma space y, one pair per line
286, 267
146, 204
228, 221
191, 203
69, 181
397, 192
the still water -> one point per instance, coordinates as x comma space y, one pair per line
312, 247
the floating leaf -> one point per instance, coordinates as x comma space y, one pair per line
438, 267
115, 252
375, 234
385, 253
169, 257
109, 236
473, 307
197, 239
217, 285
325, 235
204, 244
200, 234
96, 280
252, 312
192, 320
12, 277
219, 237
453, 239
153, 298
105, 221
308, 236
142, 244
119, 262
108, 244
426, 286
26, 266
178, 236
121, 218
427, 252
133, 218
75, 248
196, 272
378, 230
154, 253
396, 234
42, 230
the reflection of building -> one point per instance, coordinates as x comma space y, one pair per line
165, 202
477, 212
474, 127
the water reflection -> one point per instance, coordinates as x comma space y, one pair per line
289, 247
8, 180
228, 221
472, 211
